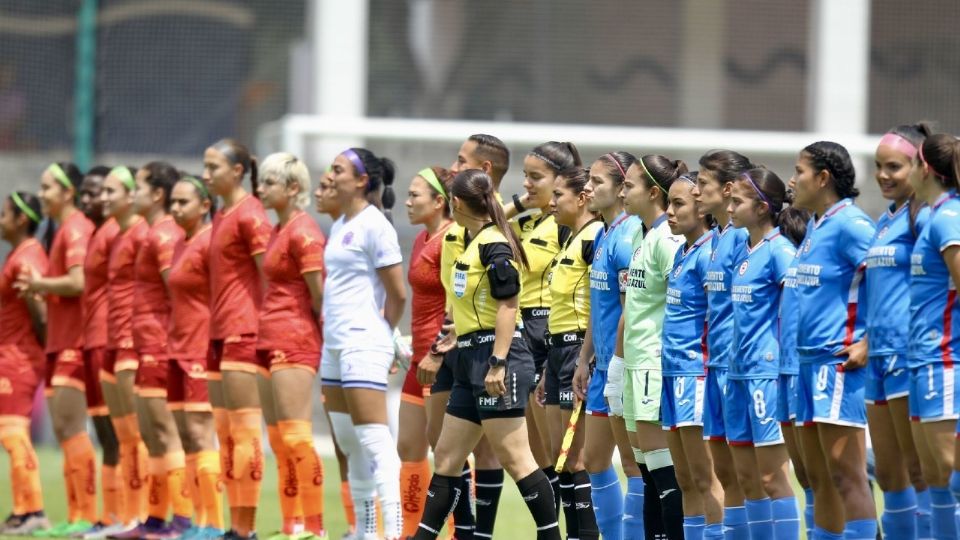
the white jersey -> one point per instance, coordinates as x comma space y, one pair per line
353, 295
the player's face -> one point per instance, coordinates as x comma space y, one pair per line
8, 222
220, 176
116, 200
326, 197
567, 206
275, 193
538, 181
637, 197
710, 194
893, 174
919, 181
144, 196
744, 209
90, 197
604, 193
466, 158
683, 215
423, 203
806, 186
187, 206
53, 195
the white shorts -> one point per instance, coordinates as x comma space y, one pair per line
356, 368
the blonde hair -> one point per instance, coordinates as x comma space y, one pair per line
288, 169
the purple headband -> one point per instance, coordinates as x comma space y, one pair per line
355, 159
757, 189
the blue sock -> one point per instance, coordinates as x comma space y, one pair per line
820, 534
899, 517
808, 512
943, 506
924, 521
607, 503
863, 529
786, 518
759, 517
633, 509
693, 527
713, 530
735, 525
955, 484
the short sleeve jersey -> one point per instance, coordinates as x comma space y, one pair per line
95, 280
120, 289
451, 247
685, 315
16, 327
728, 243
151, 311
888, 281
428, 302
189, 284
539, 238
474, 307
353, 294
569, 281
608, 281
755, 290
65, 313
789, 360
934, 313
287, 320
829, 282
650, 265
239, 234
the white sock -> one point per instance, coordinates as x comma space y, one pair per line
381, 450
359, 476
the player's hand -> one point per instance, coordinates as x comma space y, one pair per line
427, 369
540, 392
581, 380
449, 340
493, 382
856, 355
613, 390
26, 281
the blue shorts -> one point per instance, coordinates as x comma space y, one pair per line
682, 400
596, 404
751, 412
716, 401
827, 394
933, 393
888, 379
787, 399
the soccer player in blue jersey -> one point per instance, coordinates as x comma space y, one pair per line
750, 412
898, 469
830, 343
684, 366
934, 316
719, 169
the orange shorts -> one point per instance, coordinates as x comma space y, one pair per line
65, 368
277, 360
117, 360
93, 360
412, 391
18, 381
235, 353
151, 380
187, 385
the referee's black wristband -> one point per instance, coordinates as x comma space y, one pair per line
517, 204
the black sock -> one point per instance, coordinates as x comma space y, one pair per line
442, 496
584, 506
569, 508
554, 479
489, 485
463, 512
652, 511
108, 440
535, 490
671, 501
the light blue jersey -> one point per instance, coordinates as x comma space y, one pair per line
728, 244
888, 281
934, 314
789, 317
684, 319
756, 291
608, 279
829, 279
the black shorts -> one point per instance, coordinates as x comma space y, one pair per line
535, 332
444, 380
469, 399
561, 364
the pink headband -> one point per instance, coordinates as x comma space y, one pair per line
617, 163
899, 144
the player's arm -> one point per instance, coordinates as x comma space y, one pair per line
396, 293
69, 284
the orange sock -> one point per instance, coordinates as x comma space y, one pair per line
159, 489
193, 487
78, 452
245, 427
291, 508
298, 439
222, 422
347, 500
175, 465
24, 468
133, 468
110, 482
414, 479
211, 487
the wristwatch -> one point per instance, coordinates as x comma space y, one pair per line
495, 361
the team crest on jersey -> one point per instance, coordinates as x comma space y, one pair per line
347, 238
636, 253
882, 233
622, 277
768, 357
599, 253
743, 267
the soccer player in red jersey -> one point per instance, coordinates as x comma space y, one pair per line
427, 204
288, 339
120, 363
21, 361
187, 348
238, 241
151, 320
62, 284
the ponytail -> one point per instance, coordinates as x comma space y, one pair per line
793, 221
254, 180
495, 211
380, 172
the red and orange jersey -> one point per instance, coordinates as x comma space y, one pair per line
429, 298
16, 328
120, 289
64, 313
151, 311
95, 279
189, 284
239, 233
287, 320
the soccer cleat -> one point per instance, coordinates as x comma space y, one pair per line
77, 528
30, 523
106, 531
209, 533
